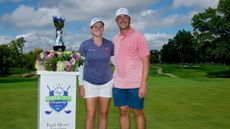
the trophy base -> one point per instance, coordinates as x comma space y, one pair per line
59, 48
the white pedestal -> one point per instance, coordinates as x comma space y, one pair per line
57, 100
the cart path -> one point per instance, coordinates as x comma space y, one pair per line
159, 71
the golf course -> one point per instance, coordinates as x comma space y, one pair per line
195, 97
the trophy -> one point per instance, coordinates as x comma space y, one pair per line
59, 25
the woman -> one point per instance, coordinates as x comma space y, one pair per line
97, 83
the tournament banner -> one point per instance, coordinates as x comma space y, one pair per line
57, 100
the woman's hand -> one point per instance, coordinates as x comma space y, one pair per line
81, 91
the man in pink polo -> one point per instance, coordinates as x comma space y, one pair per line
131, 71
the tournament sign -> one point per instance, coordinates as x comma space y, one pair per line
57, 100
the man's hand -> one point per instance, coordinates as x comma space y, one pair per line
142, 91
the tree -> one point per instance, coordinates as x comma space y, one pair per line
224, 39
17, 56
184, 43
212, 28
30, 61
180, 49
154, 56
169, 53
5, 60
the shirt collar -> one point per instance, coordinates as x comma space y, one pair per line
129, 32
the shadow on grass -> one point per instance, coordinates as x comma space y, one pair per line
219, 74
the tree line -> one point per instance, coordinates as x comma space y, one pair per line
13, 60
209, 42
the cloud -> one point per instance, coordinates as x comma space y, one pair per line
27, 17
46, 40
196, 3
148, 12
5, 39
153, 19
81, 10
156, 40
142, 19
34, 23
175, 19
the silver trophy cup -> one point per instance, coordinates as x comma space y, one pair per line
59, 25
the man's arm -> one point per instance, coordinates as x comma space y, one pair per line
145, 72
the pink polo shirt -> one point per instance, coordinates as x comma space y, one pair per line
129, 49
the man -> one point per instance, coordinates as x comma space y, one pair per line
131, 71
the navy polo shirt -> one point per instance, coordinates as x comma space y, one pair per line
97, 67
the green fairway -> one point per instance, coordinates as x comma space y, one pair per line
171, 103
189, 104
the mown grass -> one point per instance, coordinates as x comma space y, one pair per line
191, 101
18, 108
190, 104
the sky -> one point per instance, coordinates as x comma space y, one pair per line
157, 20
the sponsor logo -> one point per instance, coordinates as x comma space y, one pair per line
58, 99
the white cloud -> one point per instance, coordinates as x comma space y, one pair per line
5, 39
38, 39
196, 3
148, 12
175, 19
27, 17
153, 19
46, 40
81, 10
35, 23
156, 40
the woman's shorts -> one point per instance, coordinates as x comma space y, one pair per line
92, 90
128, 97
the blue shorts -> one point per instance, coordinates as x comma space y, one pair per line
128, 97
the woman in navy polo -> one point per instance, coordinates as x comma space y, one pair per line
97, 83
